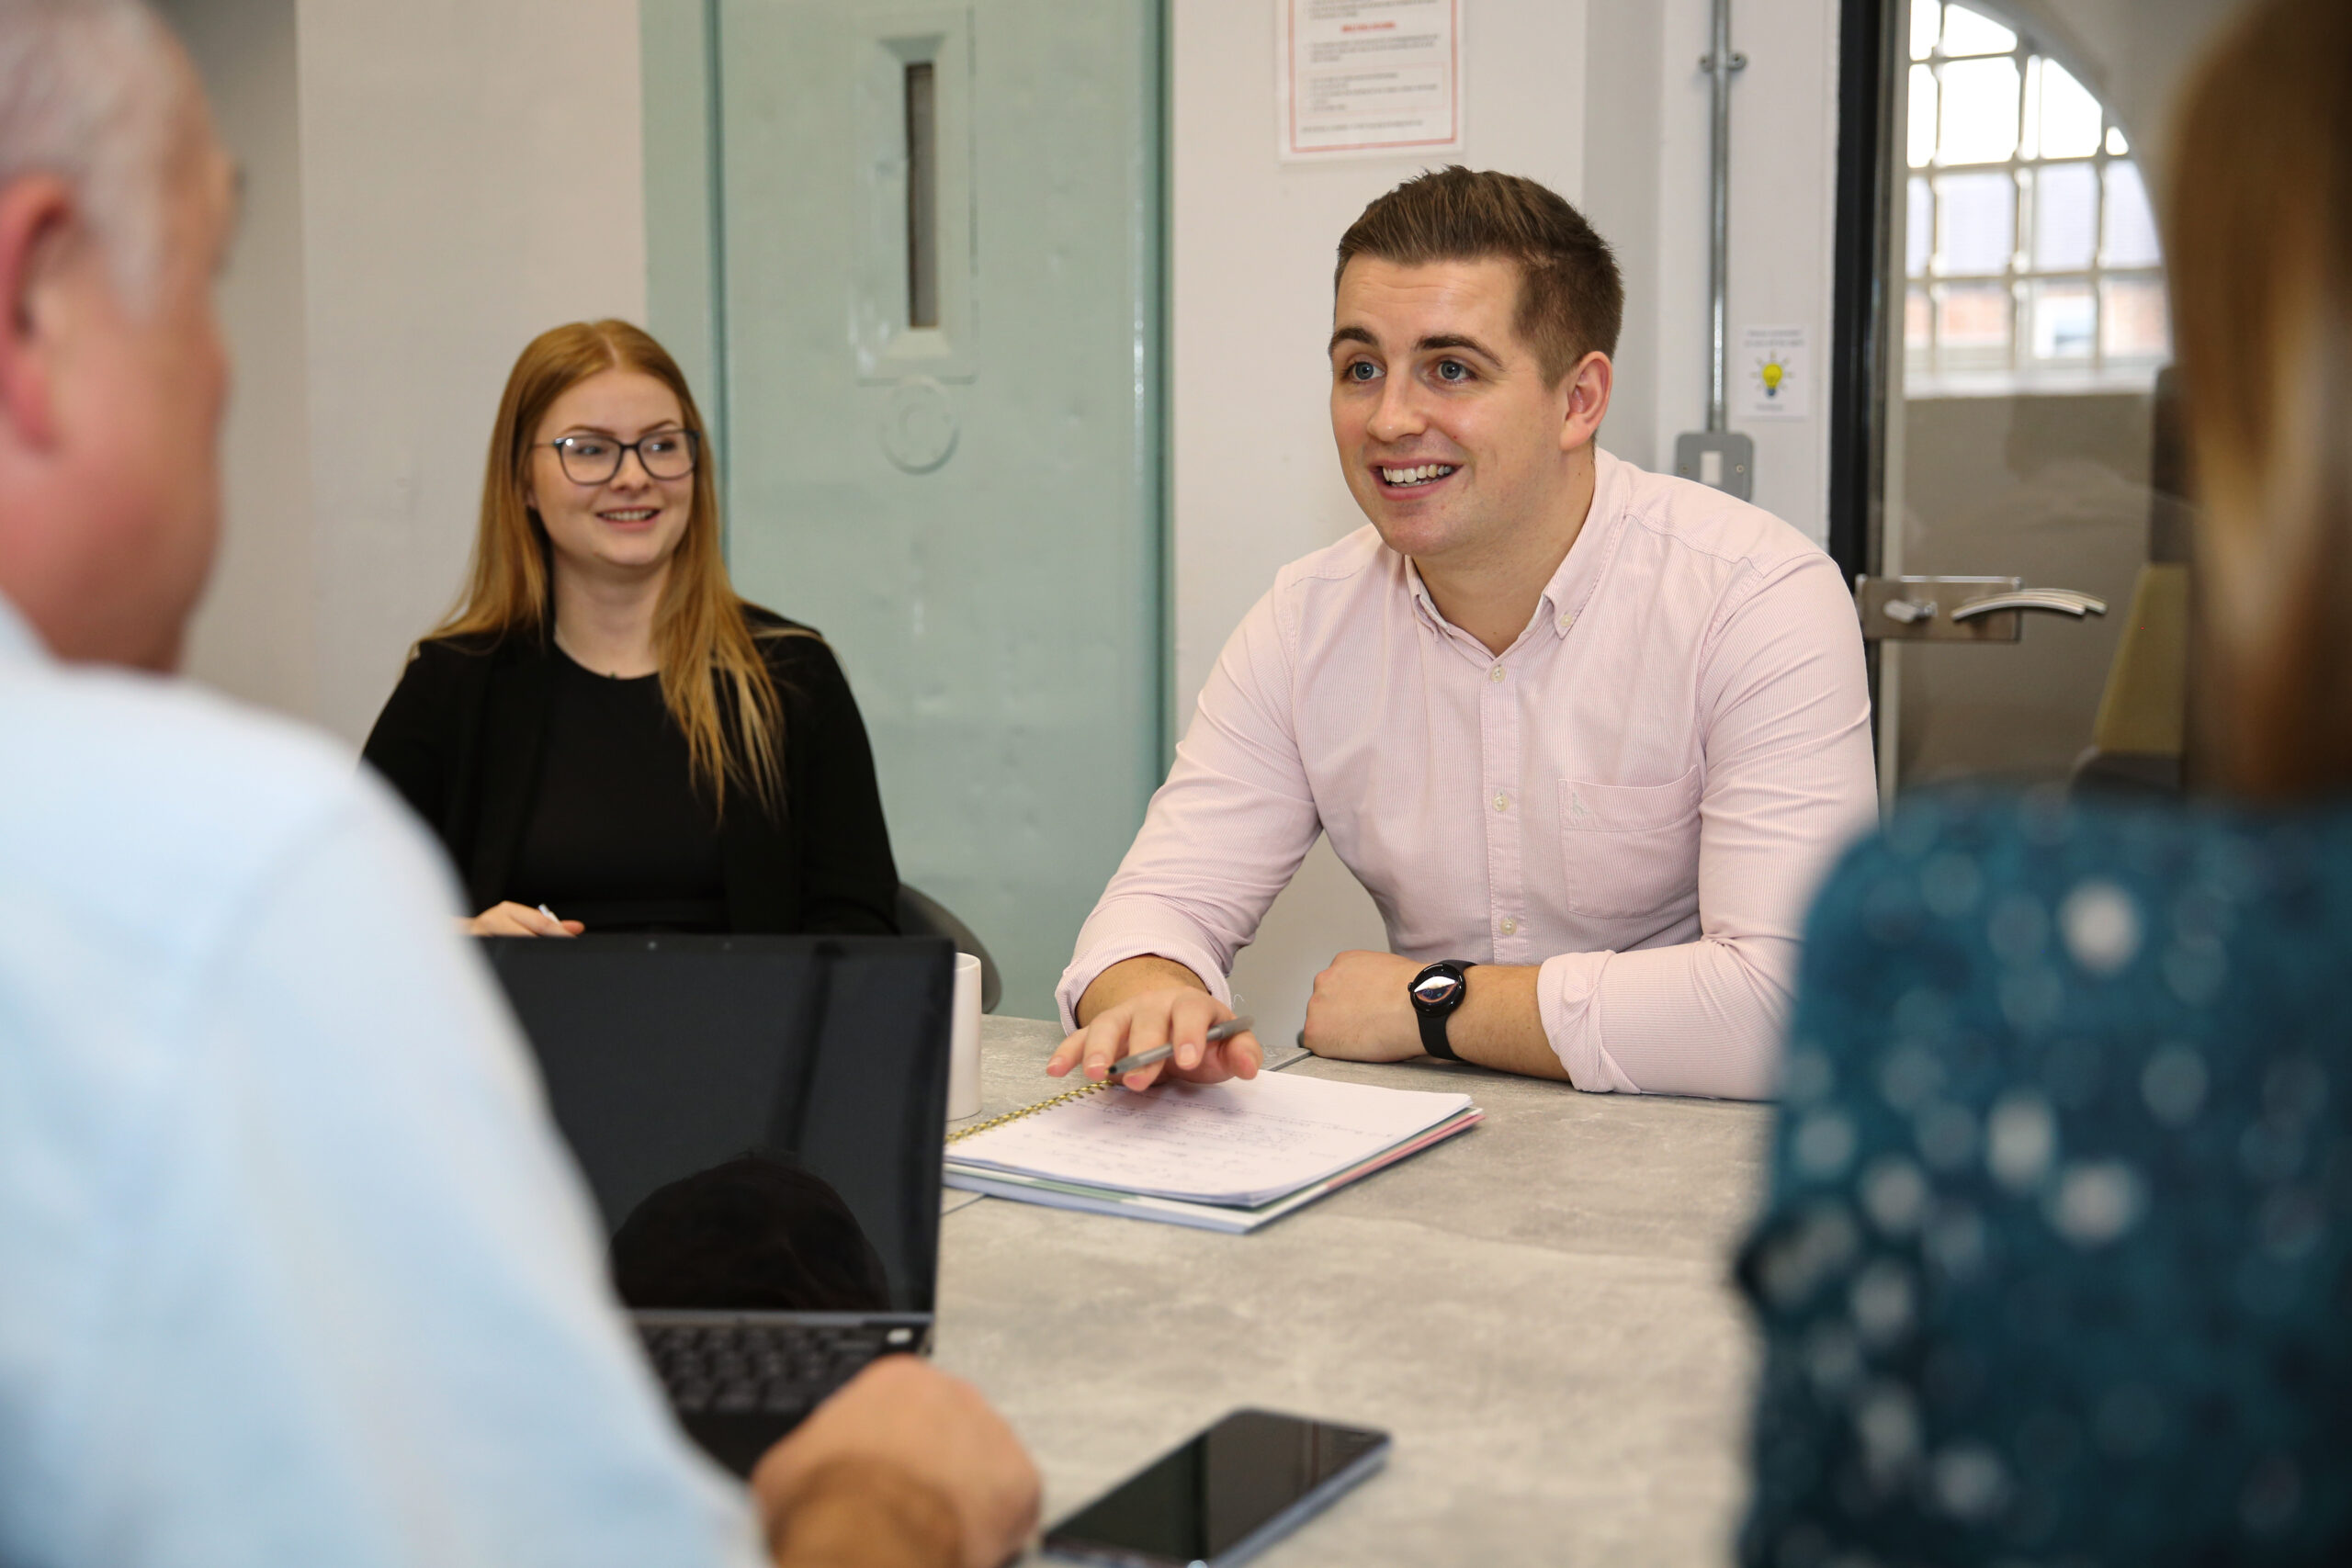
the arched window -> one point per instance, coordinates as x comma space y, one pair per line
2031, 255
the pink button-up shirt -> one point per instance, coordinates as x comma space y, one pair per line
1640, 794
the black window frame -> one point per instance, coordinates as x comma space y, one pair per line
1870, 34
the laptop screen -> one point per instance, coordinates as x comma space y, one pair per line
760, 1118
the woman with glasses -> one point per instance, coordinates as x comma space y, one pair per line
602, 729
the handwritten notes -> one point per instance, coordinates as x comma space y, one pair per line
1232, 1143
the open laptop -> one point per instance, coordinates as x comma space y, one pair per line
761, 1118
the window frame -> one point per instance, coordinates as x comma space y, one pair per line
1873, 41
2022, 283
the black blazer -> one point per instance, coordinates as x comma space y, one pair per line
462, 736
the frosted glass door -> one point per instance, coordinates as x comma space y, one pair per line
939, 250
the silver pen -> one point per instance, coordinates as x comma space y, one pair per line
1158, 1054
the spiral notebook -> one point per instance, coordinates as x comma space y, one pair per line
1228, 1156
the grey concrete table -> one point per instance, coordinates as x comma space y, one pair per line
1539, 1310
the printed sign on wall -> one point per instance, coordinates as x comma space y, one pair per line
1368, 78
1773, 374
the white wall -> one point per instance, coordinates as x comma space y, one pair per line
470, 172
1601, 99
256, 632
473, 174
1623, 133
1783, 221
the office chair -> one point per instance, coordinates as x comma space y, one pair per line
921, 915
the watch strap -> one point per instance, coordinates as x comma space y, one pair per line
1433, 1038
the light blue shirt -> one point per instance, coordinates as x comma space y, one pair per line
293, 1269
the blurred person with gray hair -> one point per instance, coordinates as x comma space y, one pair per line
295, 1269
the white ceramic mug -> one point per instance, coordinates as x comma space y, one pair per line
964, 1042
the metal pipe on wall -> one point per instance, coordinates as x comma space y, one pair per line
1720, 63
1719, 455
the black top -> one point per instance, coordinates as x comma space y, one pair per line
544, 780
618, 837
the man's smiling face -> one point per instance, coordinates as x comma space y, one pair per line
1450, 437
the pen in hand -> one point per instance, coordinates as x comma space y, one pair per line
1158, 1054
552, 915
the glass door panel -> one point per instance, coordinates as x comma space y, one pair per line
2026, 396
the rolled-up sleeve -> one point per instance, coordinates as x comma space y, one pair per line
1223, 836
1784, 708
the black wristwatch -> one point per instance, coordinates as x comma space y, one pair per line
1436, 992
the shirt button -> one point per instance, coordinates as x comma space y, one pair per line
1509, 927
1502, 801
1566, 621
1495, 673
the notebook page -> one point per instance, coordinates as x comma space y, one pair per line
1235, 1143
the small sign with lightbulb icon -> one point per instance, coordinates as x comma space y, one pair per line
1773, 372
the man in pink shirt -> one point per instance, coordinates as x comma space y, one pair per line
1589, 736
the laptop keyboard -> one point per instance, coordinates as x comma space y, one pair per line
777, 1368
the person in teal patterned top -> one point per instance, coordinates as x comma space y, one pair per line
2061, 1230
2056, 1267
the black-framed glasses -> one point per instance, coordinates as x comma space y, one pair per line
594, 459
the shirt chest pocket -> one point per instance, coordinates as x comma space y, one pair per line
1629, 849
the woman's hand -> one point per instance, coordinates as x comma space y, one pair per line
510, 918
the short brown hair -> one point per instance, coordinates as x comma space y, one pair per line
1571, 300
2259, 236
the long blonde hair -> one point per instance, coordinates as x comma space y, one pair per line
714, 682
2259, 231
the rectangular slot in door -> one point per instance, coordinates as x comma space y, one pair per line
923, 195
911, 289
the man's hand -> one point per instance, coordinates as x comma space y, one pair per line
900, 1421
1362, 1010
1140, 1004
510, 918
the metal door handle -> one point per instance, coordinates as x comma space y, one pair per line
2057, 600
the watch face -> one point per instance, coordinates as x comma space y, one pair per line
1436, 992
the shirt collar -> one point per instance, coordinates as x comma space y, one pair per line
1470, 646
1420, 594
18, 643
1578, 573
1572, 582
